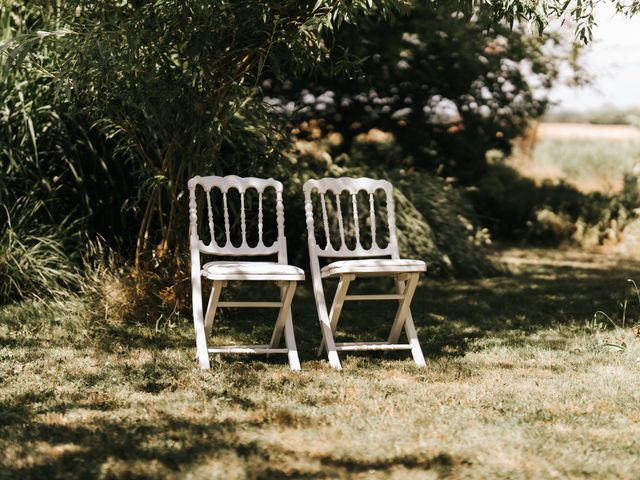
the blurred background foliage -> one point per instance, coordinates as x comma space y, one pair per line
444, 85
107, 108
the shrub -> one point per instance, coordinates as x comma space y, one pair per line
34, 257
444, 85
435, 221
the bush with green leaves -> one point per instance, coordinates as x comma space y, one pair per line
171, 87
517, 209
36, 259
435, 221
108, 107
43, 188
444, 85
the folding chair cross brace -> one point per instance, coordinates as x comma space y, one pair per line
405, 272
220, 272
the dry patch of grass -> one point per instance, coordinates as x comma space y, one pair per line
519, 384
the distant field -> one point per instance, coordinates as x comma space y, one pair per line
573, 131
591, 157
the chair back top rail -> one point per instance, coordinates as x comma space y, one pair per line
241, 184
353, 186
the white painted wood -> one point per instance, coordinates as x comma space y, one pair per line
247, 349
403, 307
378, 266
242, 184
287, 296
353, 186
325, 218
220, 272
226, 221
403, 270
247, 270
290, 342
196, 285
260, 218
390, 296
338, 301
250, 304
372, 220
340, 222
372, 346
318, 291
214, 297
336, 307
410, 332
356, 219
243, 220
210, 215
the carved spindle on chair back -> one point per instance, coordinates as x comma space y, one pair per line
353, 186
242, 185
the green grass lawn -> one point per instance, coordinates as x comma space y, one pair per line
519, 384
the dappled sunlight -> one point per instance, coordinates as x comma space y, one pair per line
146, 147
523, 399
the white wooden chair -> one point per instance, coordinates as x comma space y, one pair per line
220, 272
361, 264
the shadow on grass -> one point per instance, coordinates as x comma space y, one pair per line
154, 448
546, 288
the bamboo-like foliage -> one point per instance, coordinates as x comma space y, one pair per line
34, 257
39, 231
171, 83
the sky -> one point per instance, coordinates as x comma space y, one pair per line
614, 59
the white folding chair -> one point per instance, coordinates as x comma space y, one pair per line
220, 272
362, 264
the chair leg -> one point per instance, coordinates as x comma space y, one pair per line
332, 353
285, 323
404, 318
336, 306
212, 306
407, 290
290, 341
416, 350
325, 325
286, 296
198, 323
321, 308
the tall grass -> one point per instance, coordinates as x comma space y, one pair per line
36, 228
33, 256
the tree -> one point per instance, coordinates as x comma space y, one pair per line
171, 85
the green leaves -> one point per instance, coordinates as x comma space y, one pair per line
34, 259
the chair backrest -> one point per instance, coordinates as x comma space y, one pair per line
353, 186
242, 185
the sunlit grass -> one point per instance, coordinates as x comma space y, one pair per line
588, 164
518, 384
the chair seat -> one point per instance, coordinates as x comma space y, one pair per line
229, 270
373, 267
